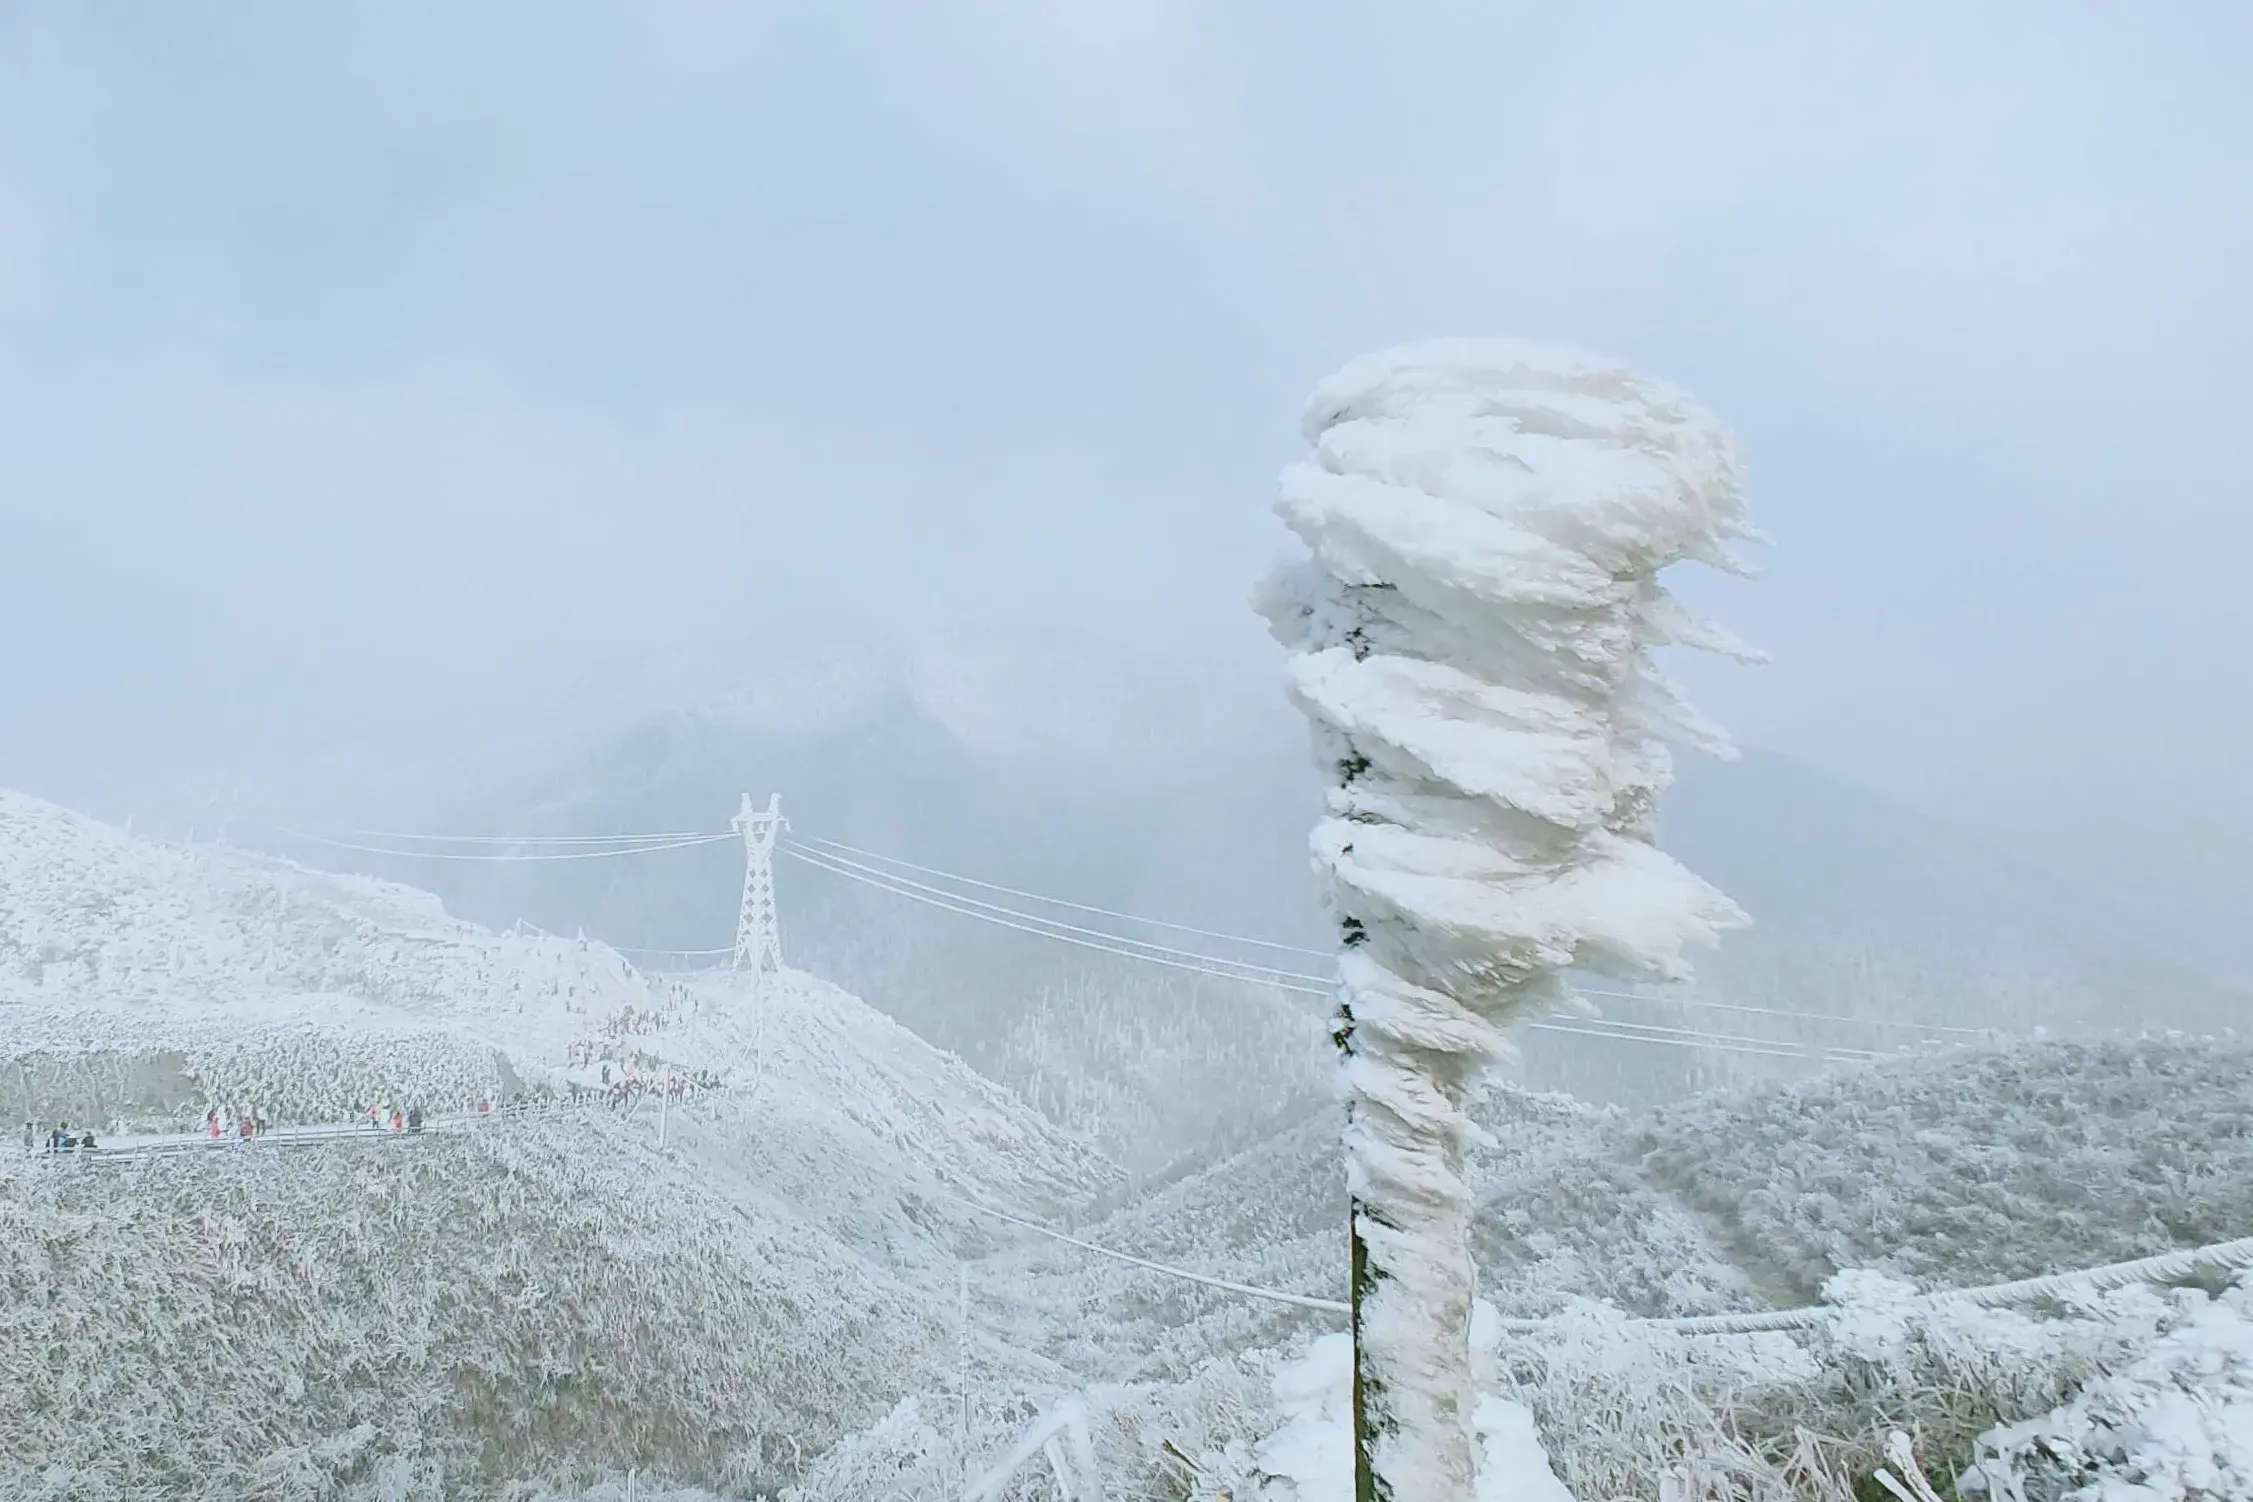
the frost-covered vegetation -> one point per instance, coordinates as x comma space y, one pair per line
159, 1070
1811, 1416
91, 917
139, 980
772, 1303
1166, 1070
1952, 1168
1972, 1165
524, 1301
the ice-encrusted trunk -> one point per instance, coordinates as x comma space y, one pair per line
1472, 641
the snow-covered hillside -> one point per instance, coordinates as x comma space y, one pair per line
841, 1115
771, 1298
139, 979
1957, 1167
1011, 764
524, 1301
216, 968
545, 1295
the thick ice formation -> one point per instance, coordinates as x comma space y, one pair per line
1472, 642
1309, 1457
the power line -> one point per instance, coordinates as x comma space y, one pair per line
1732, 1006
455, 855
1304, 1301
824, 857
816, 860
1687, 1038
539, 839
1617, 1032
836, 845
2167, 1267
1058, 923
1079, 907
1777, 1047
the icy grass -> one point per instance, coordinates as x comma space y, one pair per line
2137, 1395
2123, 1390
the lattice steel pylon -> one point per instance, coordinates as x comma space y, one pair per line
758, 931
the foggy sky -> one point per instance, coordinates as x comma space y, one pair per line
381, 378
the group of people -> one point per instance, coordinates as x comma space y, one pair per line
622, 1085
242, 1123
394, 1119
60, 1140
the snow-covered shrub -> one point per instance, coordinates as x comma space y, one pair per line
2172, 1424
1646, 1411
1168, 1442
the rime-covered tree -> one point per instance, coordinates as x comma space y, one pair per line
1472, 641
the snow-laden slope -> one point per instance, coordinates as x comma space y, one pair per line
841, 1115
1972, 1165
528, 1300
1954, 1168
538, 1297
140, 979
1560, 1216
117, 947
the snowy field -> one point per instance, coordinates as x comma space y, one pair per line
798, 1292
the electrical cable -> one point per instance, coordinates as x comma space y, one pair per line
1058, 923
813, 859
836, 845
453, 855
1304, 1301
1595, 1028
1732, 1006
541, 839
1081, 907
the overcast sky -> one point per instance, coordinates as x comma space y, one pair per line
387, 376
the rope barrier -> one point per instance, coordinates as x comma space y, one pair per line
2167, 1267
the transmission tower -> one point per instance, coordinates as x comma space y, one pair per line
758, 931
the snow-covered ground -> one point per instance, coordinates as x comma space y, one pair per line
784, 1268
797, 1293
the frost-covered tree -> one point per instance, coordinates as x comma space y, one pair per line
1472, 640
